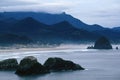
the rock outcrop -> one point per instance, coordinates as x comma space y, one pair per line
58, 64
90, 47
30, 66
102, 43
9, 64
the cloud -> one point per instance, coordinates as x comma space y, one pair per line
103, 12
32, 5
4, 3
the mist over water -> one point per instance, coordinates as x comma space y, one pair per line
99, 64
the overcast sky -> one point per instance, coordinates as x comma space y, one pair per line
102, 12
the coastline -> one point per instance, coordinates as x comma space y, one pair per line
52, 49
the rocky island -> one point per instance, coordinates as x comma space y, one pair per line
30, 66
101, 43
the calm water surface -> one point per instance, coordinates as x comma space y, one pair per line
99, 64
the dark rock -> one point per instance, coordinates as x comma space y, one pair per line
8, 64
58, 64
30, 66
117, 48
90, 47
102, 43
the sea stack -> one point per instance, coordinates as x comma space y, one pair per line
102, 43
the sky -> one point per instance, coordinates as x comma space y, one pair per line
102, 12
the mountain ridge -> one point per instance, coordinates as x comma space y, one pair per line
51, 19
60, 32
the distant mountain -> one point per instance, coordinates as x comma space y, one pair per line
52, 34
112, 35
50, 19
6, 24
30, 27
45, 28
10, 20
27, 26
116, 29
3, 25
66, 30
10, 39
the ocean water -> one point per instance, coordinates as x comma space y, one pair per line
99, 64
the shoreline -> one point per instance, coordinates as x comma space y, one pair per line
62, 47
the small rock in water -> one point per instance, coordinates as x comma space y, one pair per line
117, 48
90, 47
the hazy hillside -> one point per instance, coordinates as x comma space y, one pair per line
10, 39
45, 28
50, 19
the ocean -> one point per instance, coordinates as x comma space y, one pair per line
98, 64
